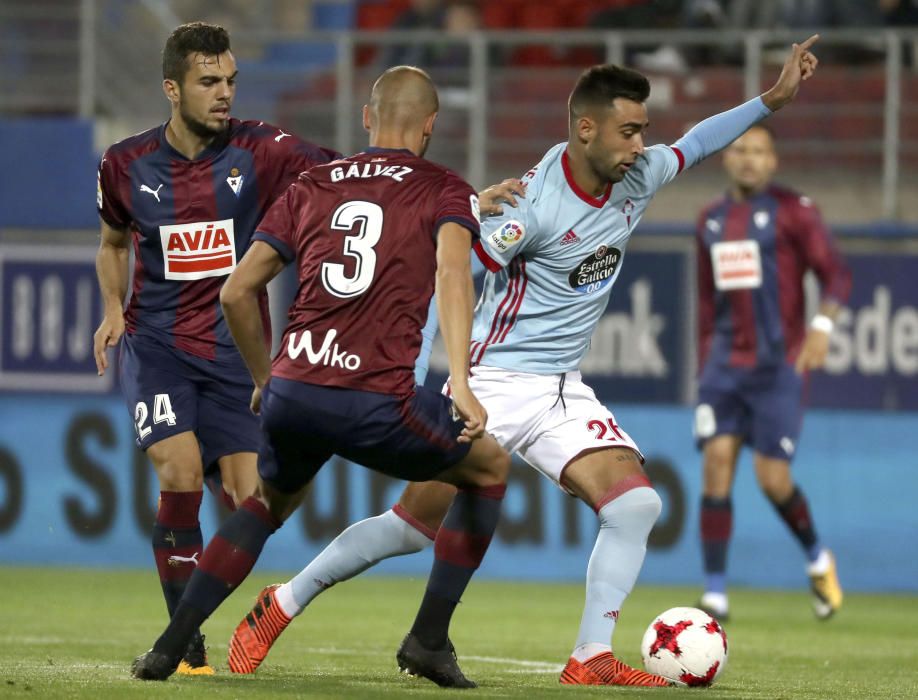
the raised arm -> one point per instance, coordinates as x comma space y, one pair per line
112, 261
717, 132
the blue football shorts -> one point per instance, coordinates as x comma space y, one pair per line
305, 424
763, 405
169, 391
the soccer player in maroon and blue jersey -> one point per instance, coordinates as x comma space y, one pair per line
187, 195
754, 246
372, 237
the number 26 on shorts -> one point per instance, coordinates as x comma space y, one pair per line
605, 430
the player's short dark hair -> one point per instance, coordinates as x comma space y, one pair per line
767, 129
188, 39
600, 85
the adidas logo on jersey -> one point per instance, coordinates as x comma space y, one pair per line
198, 250
569, 237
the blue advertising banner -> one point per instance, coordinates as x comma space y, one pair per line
49, 308
643, 350
873, 354
74, 491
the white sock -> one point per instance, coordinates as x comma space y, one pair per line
589, 650
821, 564
355, 550
624, 524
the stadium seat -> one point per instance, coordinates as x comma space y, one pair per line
379, 15
333, 15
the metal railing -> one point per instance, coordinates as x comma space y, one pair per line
498, 113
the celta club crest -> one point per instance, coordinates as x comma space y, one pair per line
235, 181
628, 210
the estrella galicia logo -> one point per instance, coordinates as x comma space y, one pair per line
596, 271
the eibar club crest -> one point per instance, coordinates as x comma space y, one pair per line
235, 181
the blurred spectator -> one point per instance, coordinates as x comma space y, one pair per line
645, 14
899, 13
453, 17
794, 14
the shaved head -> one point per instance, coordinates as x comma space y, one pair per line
402, 99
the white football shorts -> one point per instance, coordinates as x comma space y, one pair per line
548, 419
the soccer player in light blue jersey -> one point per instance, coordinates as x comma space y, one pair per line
553, 261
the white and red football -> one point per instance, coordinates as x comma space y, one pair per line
686, 646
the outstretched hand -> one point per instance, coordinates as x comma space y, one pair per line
799, 66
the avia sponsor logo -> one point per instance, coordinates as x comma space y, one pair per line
506, 236
328, 354
736, 265
875, 339
627, 344
198, 250
596, 271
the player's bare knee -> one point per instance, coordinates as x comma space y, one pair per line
488, 466
497, 467
178, 476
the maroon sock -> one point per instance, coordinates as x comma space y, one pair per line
459, 547
177, 542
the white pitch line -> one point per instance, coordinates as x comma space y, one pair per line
523, 664
537, 666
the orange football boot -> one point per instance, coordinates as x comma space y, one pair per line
605, 669
257, 632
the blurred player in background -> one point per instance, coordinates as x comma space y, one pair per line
187, 195
754, 246
554, 260
372, 235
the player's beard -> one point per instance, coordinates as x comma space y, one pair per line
199, 128
605, 171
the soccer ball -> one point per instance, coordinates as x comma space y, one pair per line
686, 646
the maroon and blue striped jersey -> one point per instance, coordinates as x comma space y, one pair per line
363, 232
192, 220
752, 258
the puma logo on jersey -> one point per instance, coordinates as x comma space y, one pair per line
328, 353
198, 250
155, 193
281, 135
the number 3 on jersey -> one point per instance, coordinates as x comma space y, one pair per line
162, 413
367, 219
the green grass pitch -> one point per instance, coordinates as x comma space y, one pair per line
73, 633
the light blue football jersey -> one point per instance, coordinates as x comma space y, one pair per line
554, 260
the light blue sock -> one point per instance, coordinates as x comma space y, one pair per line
355, 550
624, 524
